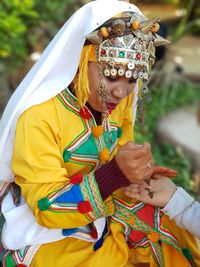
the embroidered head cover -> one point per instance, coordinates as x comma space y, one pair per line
128, 40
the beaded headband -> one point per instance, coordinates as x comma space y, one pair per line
128, 40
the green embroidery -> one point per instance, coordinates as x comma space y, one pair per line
44, 204
84, 149
67, 155
87, 145
119, 132
10, 261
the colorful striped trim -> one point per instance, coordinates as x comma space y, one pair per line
126, 213
91, 193
69, 101
156, 253
22, 256
65, 199
84, 196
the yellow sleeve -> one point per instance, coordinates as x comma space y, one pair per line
56, 200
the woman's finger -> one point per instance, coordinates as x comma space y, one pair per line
132, 194
165, 171
133, 187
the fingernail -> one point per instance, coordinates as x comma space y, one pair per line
138, 145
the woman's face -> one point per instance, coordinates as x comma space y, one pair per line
116, 88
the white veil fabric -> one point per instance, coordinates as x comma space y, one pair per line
50, 75
54, 71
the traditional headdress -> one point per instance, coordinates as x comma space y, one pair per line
128, 39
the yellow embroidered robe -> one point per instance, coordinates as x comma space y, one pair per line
53, 144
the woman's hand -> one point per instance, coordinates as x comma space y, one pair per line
162, 188
164, 171
135, 161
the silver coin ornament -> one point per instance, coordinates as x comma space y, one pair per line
112, 63
141, 75
146, 76
113, 72
121, 72
135, 75
128, 74
106, 72
131, 65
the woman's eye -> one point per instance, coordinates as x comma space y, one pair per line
132, 80
112, 78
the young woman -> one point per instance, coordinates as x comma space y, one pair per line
67, 136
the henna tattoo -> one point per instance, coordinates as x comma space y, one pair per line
149, 189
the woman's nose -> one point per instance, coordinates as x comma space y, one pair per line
119, 91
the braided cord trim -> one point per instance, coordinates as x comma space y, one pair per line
92, 194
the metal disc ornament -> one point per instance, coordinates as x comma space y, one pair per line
128, 74
106, 72
131, 65
113, 72
121, 72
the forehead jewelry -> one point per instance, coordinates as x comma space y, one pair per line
104, 98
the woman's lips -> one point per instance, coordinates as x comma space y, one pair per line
111, 106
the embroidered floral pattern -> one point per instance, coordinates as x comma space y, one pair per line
144, 227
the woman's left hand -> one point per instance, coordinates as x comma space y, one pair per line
162, 189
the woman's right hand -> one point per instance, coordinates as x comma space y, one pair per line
135, 161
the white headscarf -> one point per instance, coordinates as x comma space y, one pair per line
50, 75
54, 71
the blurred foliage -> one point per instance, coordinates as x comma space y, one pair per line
25, 22
190, 22
167, 155
53, 16
171, 2
16, 17
178, 3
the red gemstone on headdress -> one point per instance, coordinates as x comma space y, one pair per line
138, 56
85, 114
103, 52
